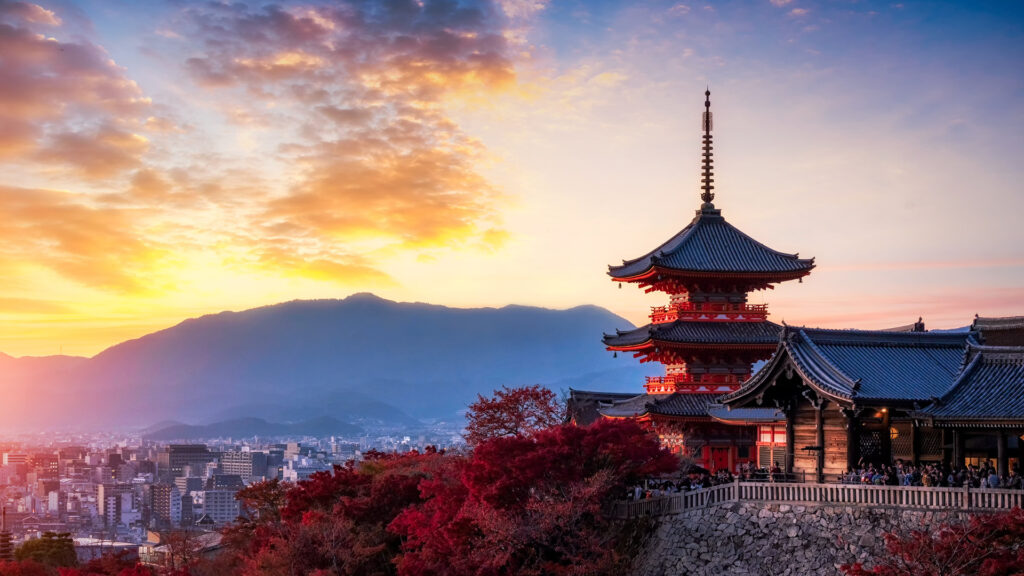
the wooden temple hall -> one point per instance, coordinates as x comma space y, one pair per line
826, 400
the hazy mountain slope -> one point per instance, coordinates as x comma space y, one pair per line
361, 356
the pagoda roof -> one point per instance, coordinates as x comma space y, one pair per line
989, 390
698, 332
1006, 331
709, 244
995, 323
583, 406
745, 415
858, 366
679, 405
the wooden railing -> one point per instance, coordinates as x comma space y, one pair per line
675, 503
835, 494
709, 311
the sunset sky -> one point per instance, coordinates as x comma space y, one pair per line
162, 160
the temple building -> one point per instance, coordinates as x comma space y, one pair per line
827, 401
708, 335
857, 397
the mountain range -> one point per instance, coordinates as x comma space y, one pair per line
359, 360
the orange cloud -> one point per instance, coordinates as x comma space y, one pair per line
32, 306
362, 90
96, 247
101, 153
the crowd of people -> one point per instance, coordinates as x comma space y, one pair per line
695, 480
903, 473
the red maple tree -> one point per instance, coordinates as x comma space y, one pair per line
987, 545
530, 505
513, 412
528, 499
333, 523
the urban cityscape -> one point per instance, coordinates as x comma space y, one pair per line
120, 492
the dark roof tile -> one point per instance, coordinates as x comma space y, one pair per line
873, 365
710, 244
698, 332
990, 388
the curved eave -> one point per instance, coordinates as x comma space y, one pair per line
671, 344
638, 416
763, 379
823, 371
676, 418
745, 421
629, 347
755, 383
769, 277
1004, 423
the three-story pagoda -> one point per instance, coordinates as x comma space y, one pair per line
708, 335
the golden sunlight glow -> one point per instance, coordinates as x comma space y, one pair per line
253, 154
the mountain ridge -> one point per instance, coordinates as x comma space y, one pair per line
362, 358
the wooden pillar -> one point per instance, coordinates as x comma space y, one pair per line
819, 441
958, 447
915, 443
790, 440
886, 455
1001, 454
947, 446
852, 440
1020, 452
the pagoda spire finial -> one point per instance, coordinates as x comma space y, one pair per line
706, 179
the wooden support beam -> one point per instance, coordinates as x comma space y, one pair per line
852, 440
790, 439
886, 438
915, 443
1001, 454
958, 447
819, 424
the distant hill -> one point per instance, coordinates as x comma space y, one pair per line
363, 359
249, 427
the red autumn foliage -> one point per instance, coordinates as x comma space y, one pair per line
529, 505
107, 569
333, 523
987, 545
117, 564
23, 568
512, 412
528, 500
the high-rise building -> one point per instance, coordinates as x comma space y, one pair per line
108, 500
171, 462
165, 505
6, 540
220, 505
251, 466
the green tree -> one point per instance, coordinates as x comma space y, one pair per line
52, 549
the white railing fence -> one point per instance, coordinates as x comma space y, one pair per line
835, 494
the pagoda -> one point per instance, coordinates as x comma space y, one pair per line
708, 335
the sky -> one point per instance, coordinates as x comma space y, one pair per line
164, 160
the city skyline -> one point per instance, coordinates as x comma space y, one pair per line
183, 159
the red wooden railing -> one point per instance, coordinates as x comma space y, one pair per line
710, 311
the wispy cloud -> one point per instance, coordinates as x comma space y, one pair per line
55, 95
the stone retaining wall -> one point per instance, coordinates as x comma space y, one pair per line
762, 539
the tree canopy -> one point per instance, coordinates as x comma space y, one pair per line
512, 412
